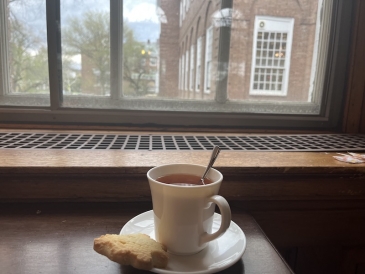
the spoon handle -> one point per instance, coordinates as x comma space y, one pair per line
213, 157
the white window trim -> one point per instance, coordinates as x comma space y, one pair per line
184, 9
181, 13
208, 59
277, 24
179, 79
192, 56
186, 86
198, 64
182, 71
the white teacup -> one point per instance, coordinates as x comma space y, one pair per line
183, 215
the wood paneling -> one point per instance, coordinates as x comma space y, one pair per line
354, 114
307, 202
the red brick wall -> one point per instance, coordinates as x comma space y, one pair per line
198, 19
301, 53
169, 49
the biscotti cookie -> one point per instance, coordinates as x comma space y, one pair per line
137, 250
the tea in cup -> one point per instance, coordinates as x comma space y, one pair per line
184, 208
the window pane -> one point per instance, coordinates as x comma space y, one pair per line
141, 26
274, 55
85, 28
200, 56
24, 53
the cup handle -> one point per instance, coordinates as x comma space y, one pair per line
225, 222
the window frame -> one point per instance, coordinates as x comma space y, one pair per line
208, 59
289, 22
186, 80
198, 63
192, 66
328, 118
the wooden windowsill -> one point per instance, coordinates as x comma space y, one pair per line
118, 161
120, 175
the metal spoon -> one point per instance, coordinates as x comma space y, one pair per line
213, 157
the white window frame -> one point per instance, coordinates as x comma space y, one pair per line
183, 72
198, 64
186, 85
179, 79
208, 59
184, 9
192, 66
271, 25
181, 13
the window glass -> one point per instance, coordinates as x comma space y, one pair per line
198, 64
192, 66
24, 52
85, 44
208, 59
200, 57
271, 56
186, 87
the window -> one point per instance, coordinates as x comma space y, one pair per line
183, 72
267, 64
186, 85
184, 9
180, 15
198, 63
271, 55
153, 61
208, 59
179, 81
192, 65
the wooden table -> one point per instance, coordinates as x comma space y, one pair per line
58, 238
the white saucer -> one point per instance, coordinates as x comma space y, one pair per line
218, 255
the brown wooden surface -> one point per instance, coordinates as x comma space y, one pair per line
58, 238
354, 114
134, 187
110, 175
307, 202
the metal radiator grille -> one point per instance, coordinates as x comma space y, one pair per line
310, 142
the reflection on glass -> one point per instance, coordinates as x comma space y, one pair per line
166, 56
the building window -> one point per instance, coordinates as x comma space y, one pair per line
186, 85
183, 72
208, 59
153, 61
180, 72
271, 55
192, 65
184, 9
181, 13
198, 63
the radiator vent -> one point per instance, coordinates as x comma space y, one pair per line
306, 142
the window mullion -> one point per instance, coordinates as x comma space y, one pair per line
54, 53
4, 76
116, 49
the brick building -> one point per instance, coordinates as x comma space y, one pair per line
271, 49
